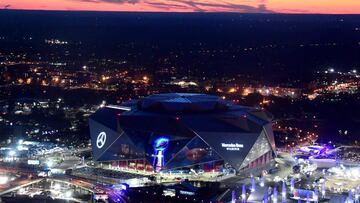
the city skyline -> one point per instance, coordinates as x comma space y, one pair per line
242, 6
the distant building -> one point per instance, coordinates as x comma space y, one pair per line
178, 131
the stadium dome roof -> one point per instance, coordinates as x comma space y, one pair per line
194, 129
183, 102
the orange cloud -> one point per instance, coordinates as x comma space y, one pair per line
316, 6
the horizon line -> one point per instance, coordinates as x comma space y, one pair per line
177, 12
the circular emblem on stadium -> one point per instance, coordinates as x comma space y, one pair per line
101, 139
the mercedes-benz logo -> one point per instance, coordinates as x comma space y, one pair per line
101, 139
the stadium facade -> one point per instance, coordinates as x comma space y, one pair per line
180, 130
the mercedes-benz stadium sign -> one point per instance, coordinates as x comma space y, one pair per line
101, 139
232, 146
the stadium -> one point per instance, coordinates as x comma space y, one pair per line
178, 131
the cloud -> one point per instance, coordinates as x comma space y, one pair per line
7, 6
195, 5
294, 11
166, 6
192, 4
224, 6
113, 1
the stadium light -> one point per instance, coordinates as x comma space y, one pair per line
262, 181
233, 196
283, 191
243, 192
275, 195
253, 187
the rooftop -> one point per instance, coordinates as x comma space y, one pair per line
183, 102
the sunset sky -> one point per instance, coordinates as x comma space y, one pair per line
246, 6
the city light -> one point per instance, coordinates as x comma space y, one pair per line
21, 191
21, 148
68, 194
4, 180
57, 187
50, 163
232, 90
103, 104
12, 153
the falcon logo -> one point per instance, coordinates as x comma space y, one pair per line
101, 139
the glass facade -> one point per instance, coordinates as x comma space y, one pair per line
195, 152
258, 150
